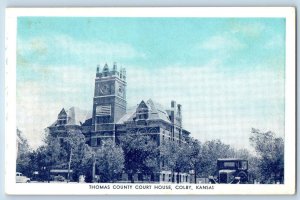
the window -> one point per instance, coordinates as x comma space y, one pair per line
243, 165
62, 121
98, 141
61, 141
164, 177
104, 119
228, 164
93, 142
142, 112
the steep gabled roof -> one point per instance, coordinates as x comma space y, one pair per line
62, 112
75, 116
156, 112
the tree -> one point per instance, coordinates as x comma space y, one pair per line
195, 156
180, 157
85, 167
211, 151
110, 161
60, 153
23, 155
47, 156
169, 155
74, 145
141, 153
270, 151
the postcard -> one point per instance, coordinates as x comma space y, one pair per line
151, 101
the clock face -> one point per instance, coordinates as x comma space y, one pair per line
104, 89
120, 91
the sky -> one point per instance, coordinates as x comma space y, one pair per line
227, 73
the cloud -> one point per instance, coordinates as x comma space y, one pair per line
221, 42
253, 29
40, 100
63, 49
275, 42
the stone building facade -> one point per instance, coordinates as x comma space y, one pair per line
111, 119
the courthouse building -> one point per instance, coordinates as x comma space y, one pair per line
110, 118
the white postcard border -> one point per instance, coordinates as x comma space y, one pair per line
84, 189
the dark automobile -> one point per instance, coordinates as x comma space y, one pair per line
59, 178
231, 171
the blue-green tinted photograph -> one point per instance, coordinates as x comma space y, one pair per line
150, 100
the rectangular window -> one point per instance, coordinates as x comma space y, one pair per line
243, 165
164, 177
94, 142
229, 164
98, 141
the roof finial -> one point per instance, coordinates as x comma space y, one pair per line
105, 68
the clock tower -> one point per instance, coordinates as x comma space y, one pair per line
109, 103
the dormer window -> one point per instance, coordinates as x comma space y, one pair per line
62, 118
142, 112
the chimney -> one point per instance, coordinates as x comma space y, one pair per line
179, 109
173, 111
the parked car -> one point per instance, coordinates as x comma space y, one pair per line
230, 171
59, 178
20, 178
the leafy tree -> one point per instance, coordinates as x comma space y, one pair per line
141, 153
85, 167
47, 156
211, 151
170, 156
23, 155
180, 158
110, 161
74, 145
270, 151
195, 155
65, 153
